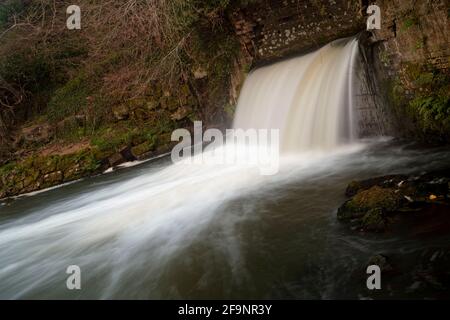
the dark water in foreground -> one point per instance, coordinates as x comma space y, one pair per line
159, 231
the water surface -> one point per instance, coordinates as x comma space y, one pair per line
163, 231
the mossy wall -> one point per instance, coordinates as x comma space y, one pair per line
412, 59
38, 172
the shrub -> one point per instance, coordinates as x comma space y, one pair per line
8, 9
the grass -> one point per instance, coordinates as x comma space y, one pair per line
410, 21
70, 99
111, 140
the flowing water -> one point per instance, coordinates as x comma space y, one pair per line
309, 99
159, 230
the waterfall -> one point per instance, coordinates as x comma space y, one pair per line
308, 98
174, 230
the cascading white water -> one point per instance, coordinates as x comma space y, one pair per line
309, 99
128, 236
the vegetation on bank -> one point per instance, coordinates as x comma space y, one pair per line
423, 95
431, 101
416, 68
133, 73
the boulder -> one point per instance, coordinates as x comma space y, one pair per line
180, 114
121, 112
53, 178
40, 133
385, 181
374, 220
378, 202
141, 149
385, 199
116, 159
127, 154
381, 261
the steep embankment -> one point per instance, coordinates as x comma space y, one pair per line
76, 102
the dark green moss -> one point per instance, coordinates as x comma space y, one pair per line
411, 19
374, 220
374, 198
422, 100
70, 99
37, 172
430, 104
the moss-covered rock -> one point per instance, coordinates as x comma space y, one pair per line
37, 172
374, 220
142, 148
52, 179
121, 112
381, 261
388, 181
372, 199
116, 159
180, 114
378, 202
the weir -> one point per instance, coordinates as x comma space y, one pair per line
310, 99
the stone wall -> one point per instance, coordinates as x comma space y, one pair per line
274, 29
406, 62
414, 31
410, 56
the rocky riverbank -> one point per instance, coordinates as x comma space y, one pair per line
41, 171
410, 207
421, 274
382, 204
